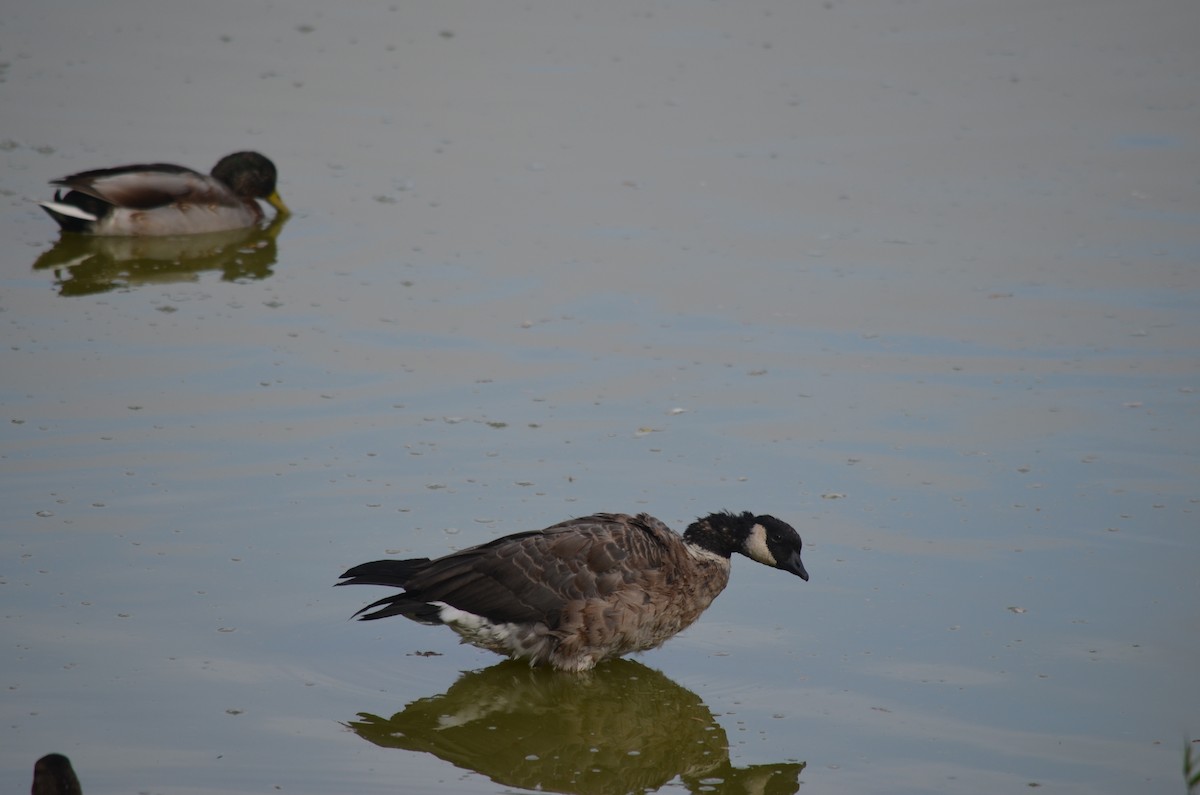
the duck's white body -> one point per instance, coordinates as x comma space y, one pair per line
159, 199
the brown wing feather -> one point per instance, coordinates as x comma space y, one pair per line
531, 577
145, 187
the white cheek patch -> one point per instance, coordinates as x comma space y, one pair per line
756, 546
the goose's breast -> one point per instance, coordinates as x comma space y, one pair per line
636, 612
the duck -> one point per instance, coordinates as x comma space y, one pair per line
165, 199
53, 775
582, 591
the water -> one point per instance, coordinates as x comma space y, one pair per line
919, 278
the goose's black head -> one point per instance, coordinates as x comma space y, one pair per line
765, 539
774, 542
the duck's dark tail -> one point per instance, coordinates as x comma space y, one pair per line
76, 212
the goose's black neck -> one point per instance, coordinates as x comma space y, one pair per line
723, 533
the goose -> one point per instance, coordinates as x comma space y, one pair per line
581, 591
166, 199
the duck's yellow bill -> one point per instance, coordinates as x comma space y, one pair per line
275, 201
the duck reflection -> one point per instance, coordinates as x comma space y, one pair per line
87, 264
623, 728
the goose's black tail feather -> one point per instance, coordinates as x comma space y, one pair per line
395, 574
402, 605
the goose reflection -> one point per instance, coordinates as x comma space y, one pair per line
624, 728
87, 265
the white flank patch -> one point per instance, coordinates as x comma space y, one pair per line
473, 628
479, 631
515, 640
756, 546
